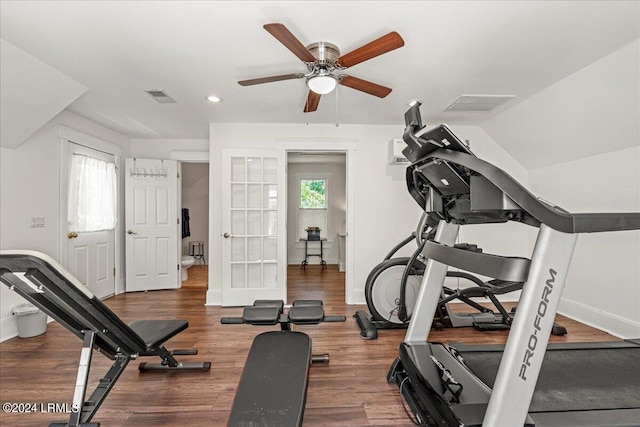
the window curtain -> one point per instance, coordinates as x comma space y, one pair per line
92, 194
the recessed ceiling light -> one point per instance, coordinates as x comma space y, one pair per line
413, 102
214, 98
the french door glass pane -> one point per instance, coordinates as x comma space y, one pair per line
254, 196
237, 276
254, 250
237, 223
270, 248
270, 169
270, 196
237, 249
254, 223
237, 196
270, 226
237, 169
269, 275
254, 276
254, 169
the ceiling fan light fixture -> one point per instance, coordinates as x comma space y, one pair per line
322, 83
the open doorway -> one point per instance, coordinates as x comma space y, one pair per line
194, 207
316, 198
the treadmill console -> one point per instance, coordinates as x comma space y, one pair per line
444, 188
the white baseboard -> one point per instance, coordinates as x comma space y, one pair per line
607, 322
214, 297
8, 328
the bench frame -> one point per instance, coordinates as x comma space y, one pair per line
51, 288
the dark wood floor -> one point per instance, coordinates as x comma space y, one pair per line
350, 391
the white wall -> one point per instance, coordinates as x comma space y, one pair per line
384, 212
336, 210
164, 148
29, 186
590, 112
603, 286
195, 197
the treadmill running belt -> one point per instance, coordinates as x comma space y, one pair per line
574, 380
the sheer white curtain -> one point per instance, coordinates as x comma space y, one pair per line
92, 194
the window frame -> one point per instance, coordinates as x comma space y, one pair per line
326, 192
313, 176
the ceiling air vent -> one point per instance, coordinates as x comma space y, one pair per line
477, 102
160, 96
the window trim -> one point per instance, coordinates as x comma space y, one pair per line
311, 176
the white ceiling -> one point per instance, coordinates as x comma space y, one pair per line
118, 49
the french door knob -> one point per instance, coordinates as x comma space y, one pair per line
72, 235
131, 232
226, 235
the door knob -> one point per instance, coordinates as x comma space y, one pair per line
131, 232
72, 235
226, 235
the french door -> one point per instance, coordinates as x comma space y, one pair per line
253, 225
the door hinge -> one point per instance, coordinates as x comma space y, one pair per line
114, 271
178, 219
178, 267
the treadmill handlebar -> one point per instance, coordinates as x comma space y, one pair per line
552, 216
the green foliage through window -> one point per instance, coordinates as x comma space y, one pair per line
313, 193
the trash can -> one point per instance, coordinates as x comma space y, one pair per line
31, 320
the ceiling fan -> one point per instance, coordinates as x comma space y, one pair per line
323, 61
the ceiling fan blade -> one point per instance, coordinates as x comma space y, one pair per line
312, 102
377, 47
270, 79
290, 41
365, 86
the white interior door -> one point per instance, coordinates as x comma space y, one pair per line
253, 225
151, 224
91, 255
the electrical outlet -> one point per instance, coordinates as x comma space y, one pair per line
37, 222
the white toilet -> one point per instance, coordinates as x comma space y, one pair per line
186, 261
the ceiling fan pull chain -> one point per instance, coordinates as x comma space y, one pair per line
337, 104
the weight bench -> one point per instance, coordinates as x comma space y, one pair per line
48, 286
277, 358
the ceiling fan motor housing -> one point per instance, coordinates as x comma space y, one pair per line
325, 53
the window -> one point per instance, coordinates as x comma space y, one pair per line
313, 194
92, 194
313, 205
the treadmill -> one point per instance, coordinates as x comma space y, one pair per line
590, 384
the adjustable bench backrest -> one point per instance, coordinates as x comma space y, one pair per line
48, 286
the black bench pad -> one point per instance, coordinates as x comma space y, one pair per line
306, 314
156, 332
261, 315
273, 389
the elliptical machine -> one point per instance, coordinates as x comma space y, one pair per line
392, 288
